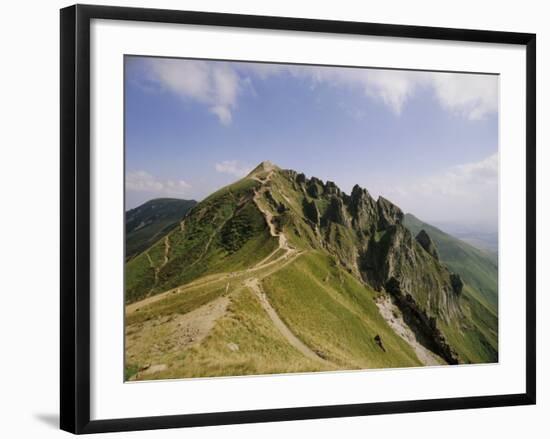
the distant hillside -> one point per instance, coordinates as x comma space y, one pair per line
481, 236
147, 223
281, 273
478, 268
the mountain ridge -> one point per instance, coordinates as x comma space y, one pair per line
251, 237
151, 220
477, 268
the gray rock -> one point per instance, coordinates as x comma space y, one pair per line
456, 283
389, 213
427, 244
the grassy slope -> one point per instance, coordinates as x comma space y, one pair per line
147, 223
323, 305
476, 340
476, 268
261, 347
335, 315
220, 235
341, 326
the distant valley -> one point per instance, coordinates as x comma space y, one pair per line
478, 236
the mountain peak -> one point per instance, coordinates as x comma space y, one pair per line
264, 166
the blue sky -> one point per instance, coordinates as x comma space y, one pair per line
427, 141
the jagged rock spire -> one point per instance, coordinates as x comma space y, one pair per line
427, 244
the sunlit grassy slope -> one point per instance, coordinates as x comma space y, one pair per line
341, 326
344, 322
279, 274
477, 268
477, 339
224, 233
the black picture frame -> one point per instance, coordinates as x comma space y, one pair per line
75, 217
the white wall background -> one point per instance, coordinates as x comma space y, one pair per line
29, 249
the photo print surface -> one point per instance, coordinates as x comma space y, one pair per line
287, 218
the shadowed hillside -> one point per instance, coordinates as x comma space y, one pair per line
147, 223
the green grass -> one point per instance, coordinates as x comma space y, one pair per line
469, 343
275, 256
180, 303
324, 306
261, 349
318, 295
476, 268
130, 370
342, 244
334, 314
149, 222
225, 232
476, 338
140, 277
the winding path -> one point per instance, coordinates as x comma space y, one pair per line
252, 282
254, 285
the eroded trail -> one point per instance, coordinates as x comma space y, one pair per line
171, 334
270, 267
281, 237
393, 316
156, 270
166, 252
249, 277
254, 285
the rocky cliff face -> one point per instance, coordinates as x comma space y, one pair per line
370, 241
385, 249
272, 211
427, 244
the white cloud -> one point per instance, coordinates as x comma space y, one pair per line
463, 192
213, 84
470, 95
468, 180
219, 84
233, 167
391, 87
142, 181
473, 96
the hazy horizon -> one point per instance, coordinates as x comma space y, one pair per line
426, 141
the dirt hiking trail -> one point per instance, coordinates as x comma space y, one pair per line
254, 285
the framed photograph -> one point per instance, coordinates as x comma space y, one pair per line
268, 218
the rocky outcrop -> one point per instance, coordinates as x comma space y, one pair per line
311, 211
314, 187
336, 212
393, 252
370, 241
427, 244
378, 341
456, 283
332, 189
388, 212
363, 209
423, 325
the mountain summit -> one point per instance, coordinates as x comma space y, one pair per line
265, 166
279, 273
